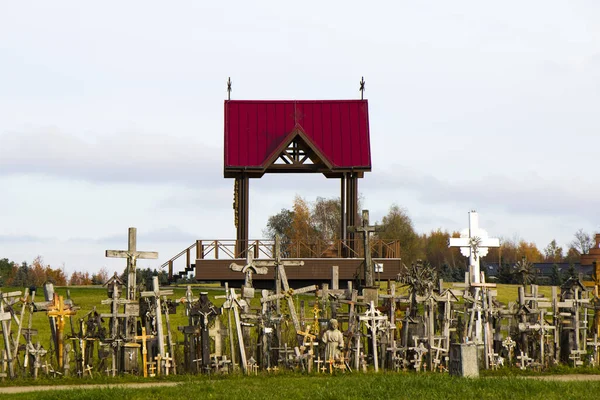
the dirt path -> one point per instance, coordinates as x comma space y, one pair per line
26, 389
567, 378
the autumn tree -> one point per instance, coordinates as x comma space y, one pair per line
7, 268
553, 252
398, 225
529, 251
583, 242
100, 277
326, 218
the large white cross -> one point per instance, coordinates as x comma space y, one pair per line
474, 243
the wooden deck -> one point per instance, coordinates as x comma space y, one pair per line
314, 270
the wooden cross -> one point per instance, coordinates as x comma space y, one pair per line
595, 344
143, 337
6, 316
251, 267
131, 254
308, 343
156, 293
205, 309
168, 363
366, 229
374, 321
525, 361
115, 315
282, 280
232, 302
58, 311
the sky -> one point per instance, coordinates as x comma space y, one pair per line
111, 116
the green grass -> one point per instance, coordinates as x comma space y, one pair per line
86, 298
346, 386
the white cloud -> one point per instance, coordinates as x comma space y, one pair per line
127, 158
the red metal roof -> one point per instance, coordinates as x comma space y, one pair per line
337, 129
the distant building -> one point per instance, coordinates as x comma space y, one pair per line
543, 270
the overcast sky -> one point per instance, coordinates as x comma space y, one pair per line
111, 115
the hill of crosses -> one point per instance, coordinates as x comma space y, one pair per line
324, 307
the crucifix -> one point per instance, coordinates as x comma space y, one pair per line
474, 243
58, 310
131, 254
366, 229
207, 312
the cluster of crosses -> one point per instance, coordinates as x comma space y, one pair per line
322, 329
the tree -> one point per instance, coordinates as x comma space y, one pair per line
553, 252
556, 278
529, 251
303, 232
437, 251
6, 270
279, 224
100, 277
326, 218
583, 242
398, 225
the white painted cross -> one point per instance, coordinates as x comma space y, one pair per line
474, 243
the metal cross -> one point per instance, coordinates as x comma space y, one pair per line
229, 88
362, 87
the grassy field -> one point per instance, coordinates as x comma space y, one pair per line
348, 386
86, 298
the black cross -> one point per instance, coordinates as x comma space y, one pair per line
362, 87
229, 88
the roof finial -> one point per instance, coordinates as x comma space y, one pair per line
362, 87
229, 88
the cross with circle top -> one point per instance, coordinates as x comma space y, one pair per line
474, 243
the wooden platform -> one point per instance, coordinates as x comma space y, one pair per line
315, 270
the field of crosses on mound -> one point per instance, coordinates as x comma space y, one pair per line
311, 329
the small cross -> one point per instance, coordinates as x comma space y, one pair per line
229, 88
362, 87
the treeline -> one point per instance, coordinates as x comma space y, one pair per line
37, 273
320, 220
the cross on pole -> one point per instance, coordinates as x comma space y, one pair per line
366, 229
131, 254
229, 88
362, 87
474, 243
